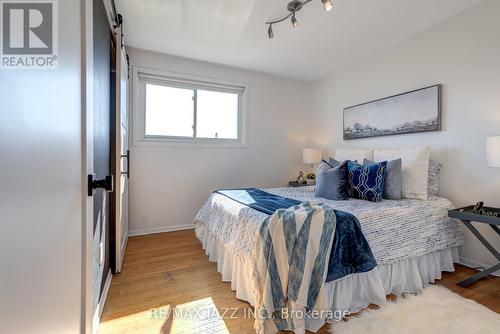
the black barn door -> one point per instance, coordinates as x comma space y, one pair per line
103, 115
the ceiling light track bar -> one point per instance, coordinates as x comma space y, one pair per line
293, 7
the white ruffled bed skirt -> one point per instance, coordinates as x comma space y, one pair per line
351, 293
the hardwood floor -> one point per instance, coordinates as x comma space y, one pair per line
164, 270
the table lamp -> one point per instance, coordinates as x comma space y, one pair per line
493, 151
493, 160
311, 156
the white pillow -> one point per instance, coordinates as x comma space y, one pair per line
415, 168
343, 154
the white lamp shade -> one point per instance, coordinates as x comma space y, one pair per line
311, 155
493, 151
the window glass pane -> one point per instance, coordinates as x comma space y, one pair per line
217, 115
169, 111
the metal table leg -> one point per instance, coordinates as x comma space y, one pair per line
495, 228
492, 250
478, 276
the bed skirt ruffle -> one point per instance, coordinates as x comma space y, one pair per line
351, 293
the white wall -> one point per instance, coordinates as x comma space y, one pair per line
41, 190
169, 184
464, 55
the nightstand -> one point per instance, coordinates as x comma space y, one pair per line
297, 184
467, 215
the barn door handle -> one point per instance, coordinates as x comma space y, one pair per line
107, 184
127, 172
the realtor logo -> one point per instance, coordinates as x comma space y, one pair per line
29, 34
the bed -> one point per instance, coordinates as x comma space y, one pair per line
413, 242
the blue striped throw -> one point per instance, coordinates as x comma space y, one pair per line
293, 252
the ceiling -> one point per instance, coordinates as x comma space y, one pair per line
232, 32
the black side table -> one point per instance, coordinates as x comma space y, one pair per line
297, 184
466, 215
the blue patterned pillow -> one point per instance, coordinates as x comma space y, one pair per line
366, 182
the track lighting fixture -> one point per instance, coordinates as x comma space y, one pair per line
293, 7
327, 5
295, 23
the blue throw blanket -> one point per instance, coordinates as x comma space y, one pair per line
350, 252
258, 199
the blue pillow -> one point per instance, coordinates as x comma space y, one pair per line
366, 182
331, 183
393, 185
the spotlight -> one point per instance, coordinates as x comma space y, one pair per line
295, 23
292, 8
327, 5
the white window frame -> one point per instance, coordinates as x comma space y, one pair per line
143, 76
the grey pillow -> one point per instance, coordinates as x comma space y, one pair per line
393, 188
434, 175
331, 183
332, 162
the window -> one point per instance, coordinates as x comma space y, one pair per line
169, 111
192, 111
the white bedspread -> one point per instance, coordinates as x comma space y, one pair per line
413, 241
395, 230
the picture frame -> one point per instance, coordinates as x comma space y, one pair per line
415, 111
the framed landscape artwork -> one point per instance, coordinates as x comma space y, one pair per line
415, 111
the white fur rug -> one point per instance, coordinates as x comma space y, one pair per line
436, 311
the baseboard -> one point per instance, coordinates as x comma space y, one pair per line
474, 264
100, 306
162, 229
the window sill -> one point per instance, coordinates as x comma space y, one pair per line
189, 143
